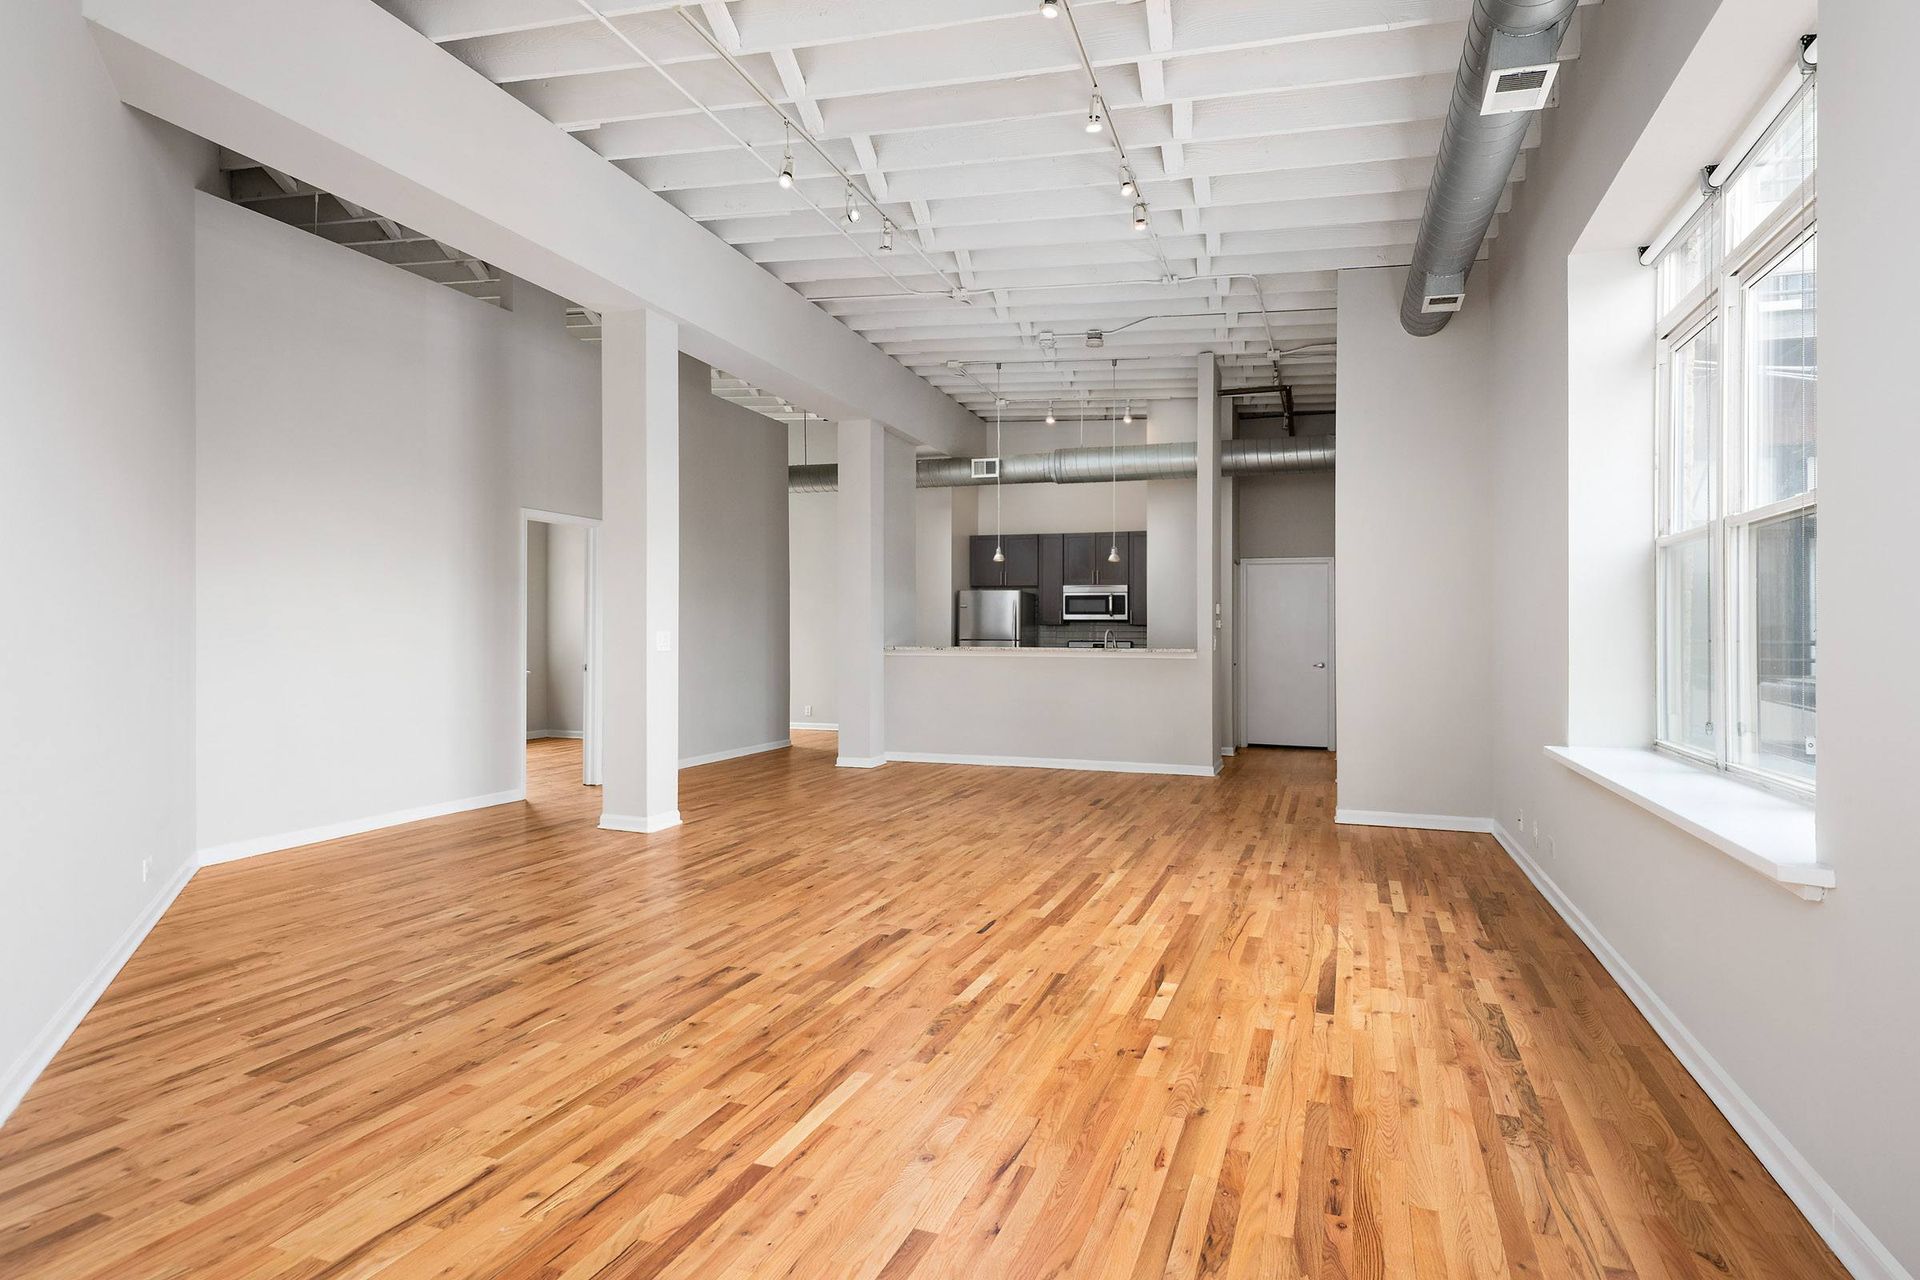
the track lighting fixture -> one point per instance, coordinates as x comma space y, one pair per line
786, 168
853, 207
1129, 189
1049, 8
1095, 120
1140, 217
886, 235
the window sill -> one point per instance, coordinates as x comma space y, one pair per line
1764, 832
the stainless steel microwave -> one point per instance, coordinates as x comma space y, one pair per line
1093, 604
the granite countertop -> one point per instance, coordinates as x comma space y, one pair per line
1138, 652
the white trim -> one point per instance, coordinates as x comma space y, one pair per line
734, 753
803, 724
26, 1068
860, 762
1227, 751
256, 845
1042, 762
1857, 1248
1411, 821
1761, 831
535, 734
644, 826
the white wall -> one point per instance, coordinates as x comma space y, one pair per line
733, 573
1057, 708
566, 623
366, 440
1171, 536
1800, 1005
96, 496
901, 523
539, 668
1286, 513
1414, 685
938, 570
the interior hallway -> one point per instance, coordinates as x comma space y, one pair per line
1075, 1024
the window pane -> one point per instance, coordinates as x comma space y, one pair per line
1777, 169
1783, 379
1695, 393
1686, 261
1783, 587
1686, 638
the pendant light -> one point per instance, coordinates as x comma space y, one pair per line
999, 407
1127, 417
1049, 413
786, 168
1113, 471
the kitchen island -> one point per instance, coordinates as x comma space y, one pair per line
1140, 710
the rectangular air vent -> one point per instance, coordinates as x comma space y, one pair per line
986, 468
1512, 89
1443, 302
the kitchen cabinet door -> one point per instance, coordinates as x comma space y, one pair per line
982, 571
1052, 576
1077, 559
1022, 568
1137, 578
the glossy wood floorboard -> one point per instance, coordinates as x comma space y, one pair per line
916, 1021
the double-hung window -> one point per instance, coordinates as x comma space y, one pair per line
1737, 489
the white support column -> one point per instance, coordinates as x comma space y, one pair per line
1206, 502
860, 663
639, 562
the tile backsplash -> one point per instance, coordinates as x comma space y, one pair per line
1057, 637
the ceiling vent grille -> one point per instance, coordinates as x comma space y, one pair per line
986, 468
1511, 89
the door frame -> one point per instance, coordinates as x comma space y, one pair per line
1240, 645
591, 712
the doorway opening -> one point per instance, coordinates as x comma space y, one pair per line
560, 639
1286, 630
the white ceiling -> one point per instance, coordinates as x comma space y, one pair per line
1275, 142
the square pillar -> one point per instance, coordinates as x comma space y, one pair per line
1208, 544
639, 565
860, 546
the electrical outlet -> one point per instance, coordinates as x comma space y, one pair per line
1520, 822
146, 869
807, 711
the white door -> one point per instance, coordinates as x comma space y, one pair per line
1286, 619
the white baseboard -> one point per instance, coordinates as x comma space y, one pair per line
803, 724
1856, 1246
553, 733
1411, 821
1043, 762
356, 826
644, 826
734, 753
1226, 751
861, 762
25, 1069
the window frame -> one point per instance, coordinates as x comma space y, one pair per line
1722, 297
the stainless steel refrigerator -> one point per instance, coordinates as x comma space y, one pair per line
996, 618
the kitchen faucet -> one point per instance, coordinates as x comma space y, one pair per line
1106, 638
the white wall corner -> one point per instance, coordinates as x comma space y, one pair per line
642, 825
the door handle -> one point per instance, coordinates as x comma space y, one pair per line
1319, 664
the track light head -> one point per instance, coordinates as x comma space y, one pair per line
786, 177
1050, 418
1127, 417
853, 205
1140, 217
1129, 189
1049, 8
886, 235
1096, 120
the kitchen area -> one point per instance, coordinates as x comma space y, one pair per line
1054, 591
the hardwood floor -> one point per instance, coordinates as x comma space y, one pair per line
917, 1021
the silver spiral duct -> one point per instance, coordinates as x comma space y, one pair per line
1477, 153
1091, 466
